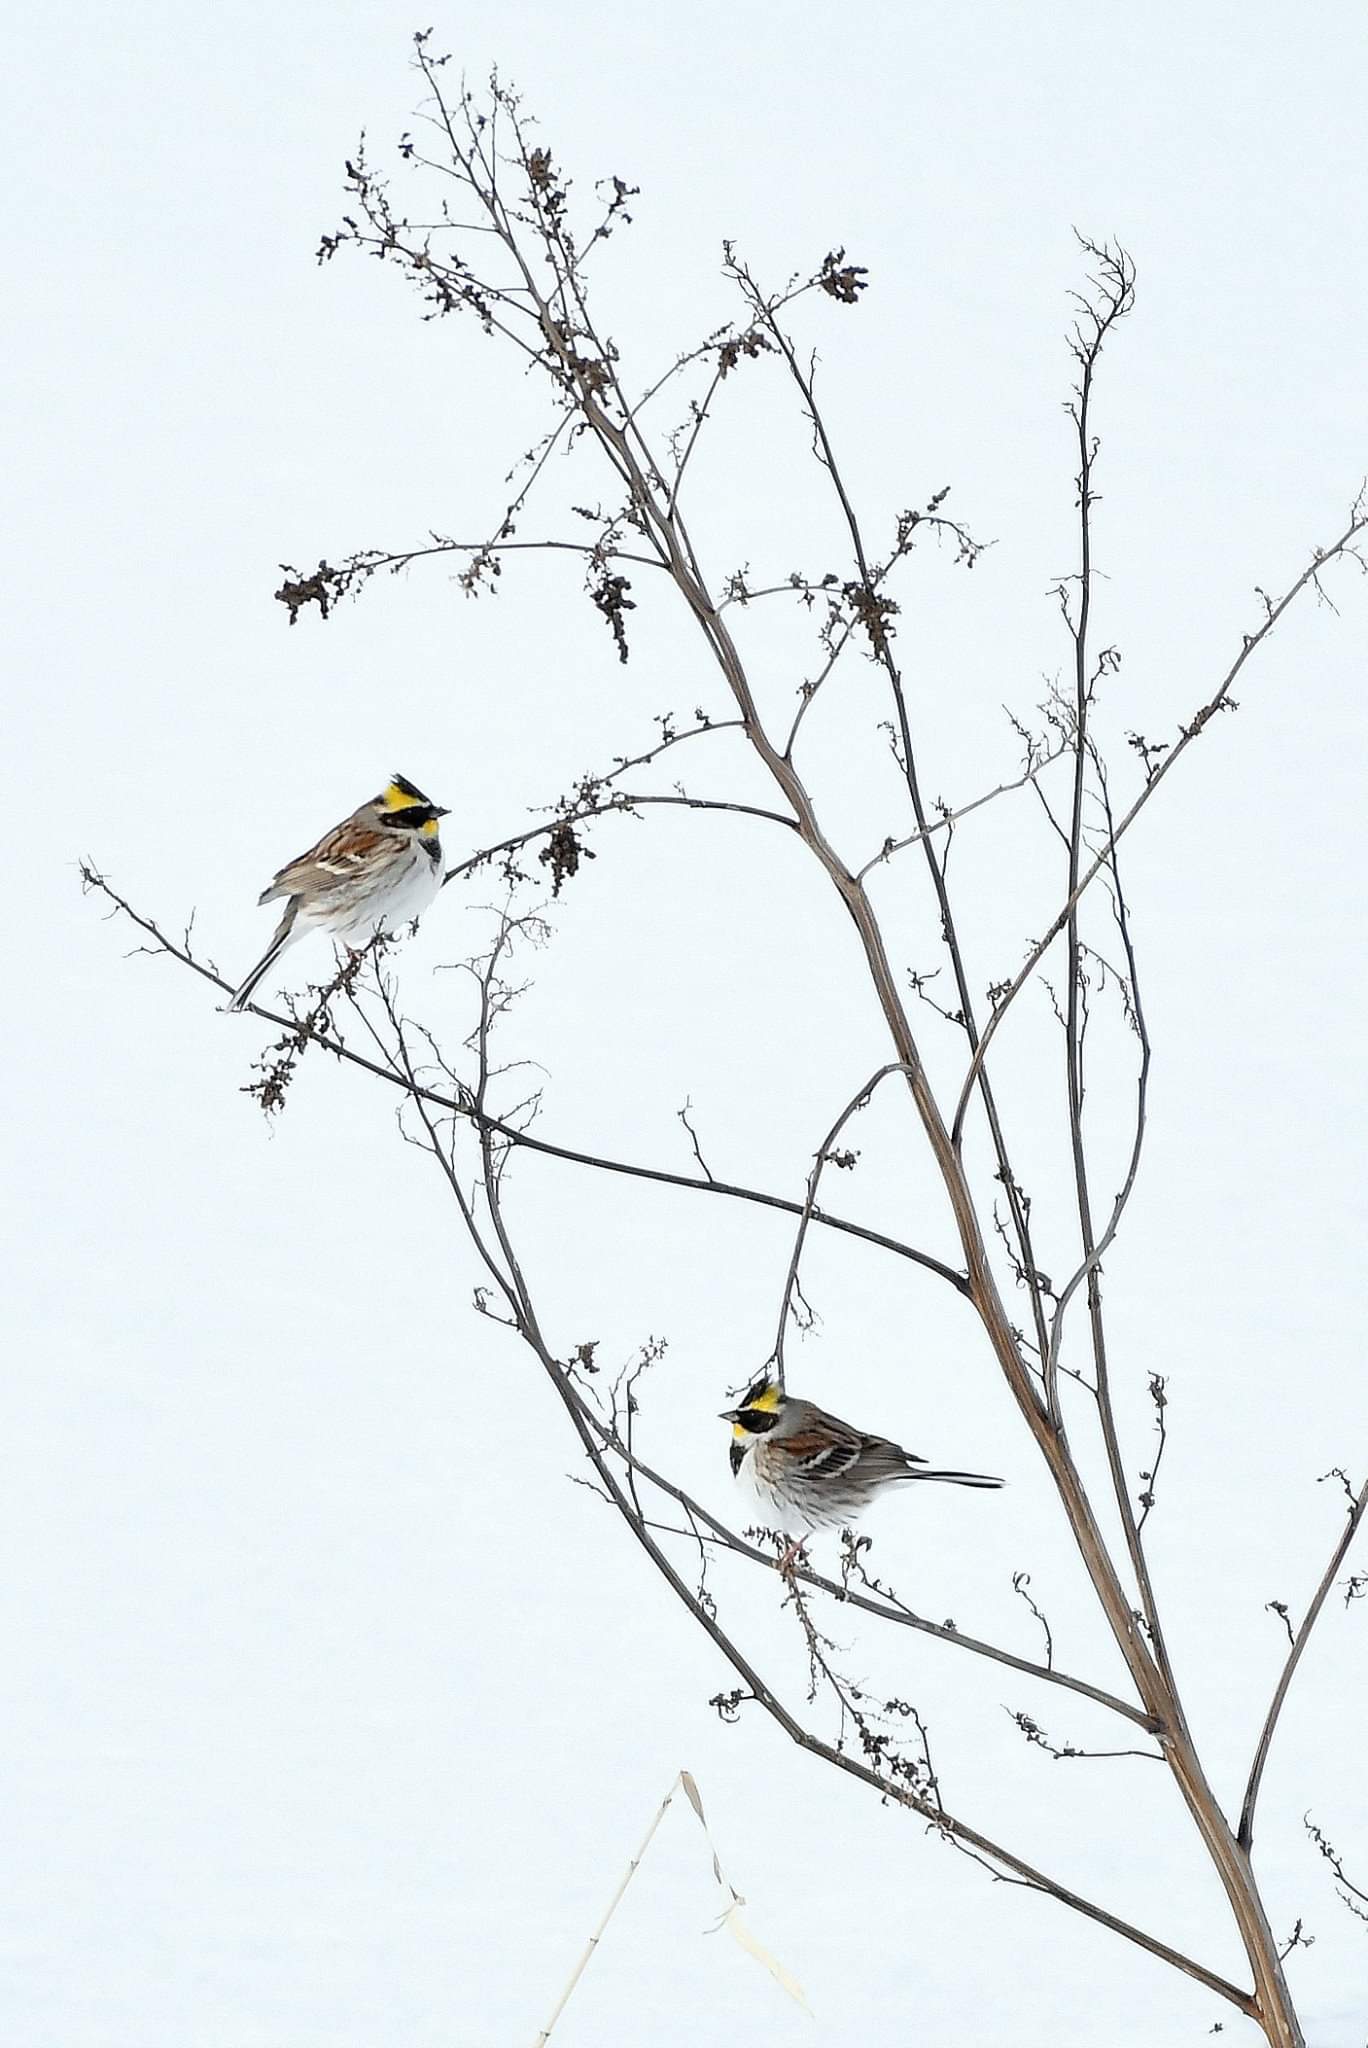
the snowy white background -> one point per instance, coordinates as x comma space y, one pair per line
331, 1711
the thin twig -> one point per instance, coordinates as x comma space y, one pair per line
527, 1140
683, 1115
820, 1161
586, 1427
875, 612
1197, 724
1351, 1892
948, 819
1337, 1557
622, 803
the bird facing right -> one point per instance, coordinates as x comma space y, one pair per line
374, 872
811, 1469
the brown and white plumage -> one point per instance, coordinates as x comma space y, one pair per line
811, 1469
376, 871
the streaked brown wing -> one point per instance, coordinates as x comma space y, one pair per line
349, 846
820, 1453
881, 1457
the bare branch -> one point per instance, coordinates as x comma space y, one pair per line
1093, 1256
1296, 1939
1157, 1386
525, 282
824, 1154
1067, 1752
1352, 1895
948, 819
1299, 1642
1020, 1583
875, 612
683, 1115
881, 1601
1279, 1607
1340, 548
893, 1784
527, 1140
622, 803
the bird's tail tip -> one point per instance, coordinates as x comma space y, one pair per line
981, 1479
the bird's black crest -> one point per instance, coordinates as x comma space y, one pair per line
411, 791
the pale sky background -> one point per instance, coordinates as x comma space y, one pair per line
331, 1709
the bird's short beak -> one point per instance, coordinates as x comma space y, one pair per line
440, 811
730, 1415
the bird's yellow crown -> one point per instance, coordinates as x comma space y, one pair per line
765, 1397
401, 795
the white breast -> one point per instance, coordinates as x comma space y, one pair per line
410, 889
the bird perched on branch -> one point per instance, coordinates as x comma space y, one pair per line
811, 1469
374, 872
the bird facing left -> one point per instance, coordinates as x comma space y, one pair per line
811, 1469
375, 872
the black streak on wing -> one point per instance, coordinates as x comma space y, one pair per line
831, 1462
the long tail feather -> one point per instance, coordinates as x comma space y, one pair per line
959, 1478
285, 931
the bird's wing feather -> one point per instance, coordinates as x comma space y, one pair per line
884, 1449
342, 851
823, 1453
